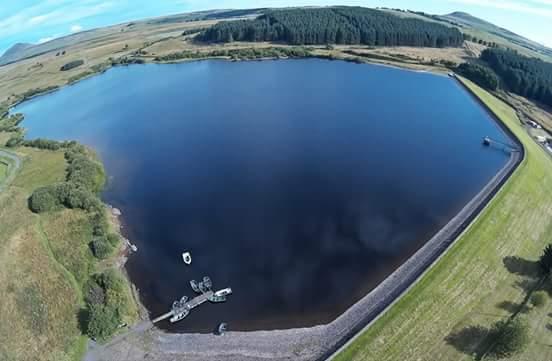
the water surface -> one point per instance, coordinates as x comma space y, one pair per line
300, 184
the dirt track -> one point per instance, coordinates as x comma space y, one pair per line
12, 169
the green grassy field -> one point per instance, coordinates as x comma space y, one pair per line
44, 261
482, 279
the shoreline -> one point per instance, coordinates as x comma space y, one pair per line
323, 341
429, 69
124, 253
315, 342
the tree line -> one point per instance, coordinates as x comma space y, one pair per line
335, 25
528, 77
479, 74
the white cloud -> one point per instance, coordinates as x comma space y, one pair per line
50, 13
76, 28
44, 40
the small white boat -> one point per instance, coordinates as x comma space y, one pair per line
223, 292
179, 316
187, 258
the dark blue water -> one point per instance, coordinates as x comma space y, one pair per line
300, 184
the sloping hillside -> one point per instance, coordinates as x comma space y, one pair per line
16, 49
467, 20
22, 51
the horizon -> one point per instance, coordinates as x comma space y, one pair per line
39, 21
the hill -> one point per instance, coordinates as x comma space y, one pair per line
16, 49
22, 51
466, 20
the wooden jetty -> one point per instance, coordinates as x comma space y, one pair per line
193, 303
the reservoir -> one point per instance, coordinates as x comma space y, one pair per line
300, 184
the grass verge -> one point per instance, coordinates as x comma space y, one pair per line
483, 278
3, 170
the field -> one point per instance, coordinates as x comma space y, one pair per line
483, 278
3, 170
44, 260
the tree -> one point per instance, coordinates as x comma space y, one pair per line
101, 247
528, 77
102, 322
509, 337
538, 299
335, 25
545, 261
44, 199
481, 75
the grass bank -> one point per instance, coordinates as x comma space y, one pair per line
45, 264
483, 278
4, 166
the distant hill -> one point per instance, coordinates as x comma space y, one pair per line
22, 51
15, 50
467, 20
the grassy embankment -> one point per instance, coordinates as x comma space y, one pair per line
45, 262
3, 169
485, 277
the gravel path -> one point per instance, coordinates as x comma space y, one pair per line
315, 343
12, 169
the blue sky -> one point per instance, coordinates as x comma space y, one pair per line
40, 20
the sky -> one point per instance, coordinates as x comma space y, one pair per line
36, 21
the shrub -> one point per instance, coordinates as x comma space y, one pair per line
43, 144
99, 223
66, 194
545, 261
85, 173
14, 141
94, 293
107, 303
101, 247
82, 199
113, 239
71, 65
103, 321
538, 299
508, 337
45, 199
35, 91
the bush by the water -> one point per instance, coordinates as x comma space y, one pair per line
479, 74
101, 247
56, 196
85, 178
45, 199
508, 337
85, 173
240, 54
71, 65
125, 60
36, 91
10, 123
102, 322
107, 302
